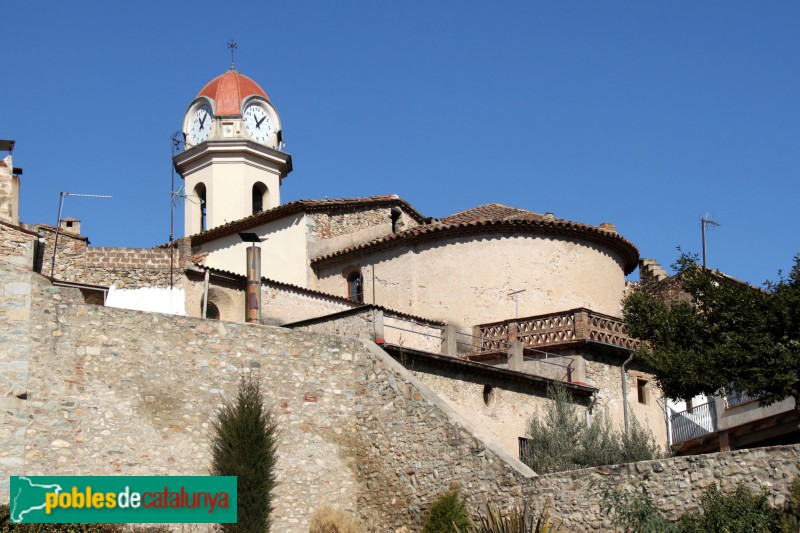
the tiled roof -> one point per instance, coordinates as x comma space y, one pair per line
297, 207
228, 90
313, 292
62, 231
497, 219
489, 212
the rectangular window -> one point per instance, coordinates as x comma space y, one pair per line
642, 392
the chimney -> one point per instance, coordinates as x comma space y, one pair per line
608, 226
72, 225
9, 190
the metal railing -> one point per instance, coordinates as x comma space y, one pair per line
733, 398
692, 423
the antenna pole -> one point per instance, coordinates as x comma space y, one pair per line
176, 147
58, 227
516, 294
703, 232
62, 195
705, 220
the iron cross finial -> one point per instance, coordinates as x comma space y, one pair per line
232, 46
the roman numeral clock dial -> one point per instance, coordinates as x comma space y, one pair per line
258, 123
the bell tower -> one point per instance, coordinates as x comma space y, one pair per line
233, 164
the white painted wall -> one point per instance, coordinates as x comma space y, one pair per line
283, 254
465, 280
154, 300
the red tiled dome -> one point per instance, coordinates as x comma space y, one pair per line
229, 89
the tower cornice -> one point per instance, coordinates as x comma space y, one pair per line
198, 156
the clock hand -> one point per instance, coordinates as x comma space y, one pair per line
203, 120
258, 123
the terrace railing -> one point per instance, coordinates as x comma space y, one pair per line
555, 329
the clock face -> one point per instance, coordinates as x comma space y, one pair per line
200, 127
258, 123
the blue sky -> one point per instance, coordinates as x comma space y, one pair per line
644, 114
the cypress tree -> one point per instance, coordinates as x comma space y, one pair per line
244, 445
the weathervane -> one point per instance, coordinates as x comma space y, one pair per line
232, 46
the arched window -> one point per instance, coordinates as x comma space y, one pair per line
355, 287
200, 192
212, 312
260, 197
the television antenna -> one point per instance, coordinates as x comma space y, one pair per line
705, 221
61, 197
516, 294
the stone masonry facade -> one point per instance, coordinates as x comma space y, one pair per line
95, 390
17, 245
335, 224
125, 268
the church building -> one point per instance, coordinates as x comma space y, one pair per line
487, 306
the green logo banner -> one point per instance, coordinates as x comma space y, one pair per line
123, 499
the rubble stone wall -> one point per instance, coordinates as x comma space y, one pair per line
17, 246
125, 268
328, 224
111, 391
120, 258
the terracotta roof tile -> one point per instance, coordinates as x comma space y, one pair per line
314, 292
296, 207
489, 212
496, 218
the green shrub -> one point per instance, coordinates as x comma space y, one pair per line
562, 441
635, 513
329, 519
447, 515
7, 527
244, 445
515, 521
740, 512
790, 519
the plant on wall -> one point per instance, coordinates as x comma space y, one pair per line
447, 514
244, 445
561, 440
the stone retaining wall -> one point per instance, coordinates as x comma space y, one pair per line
114, 392
111, 391
676, 484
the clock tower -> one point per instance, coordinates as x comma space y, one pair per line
233, 165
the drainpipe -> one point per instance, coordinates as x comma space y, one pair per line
625, 392
205, 295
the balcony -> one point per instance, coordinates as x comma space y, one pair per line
692, 423
557, 329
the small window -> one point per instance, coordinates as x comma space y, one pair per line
642, 391
355, 287
488, 395
212, 313
200, 192
259, 197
